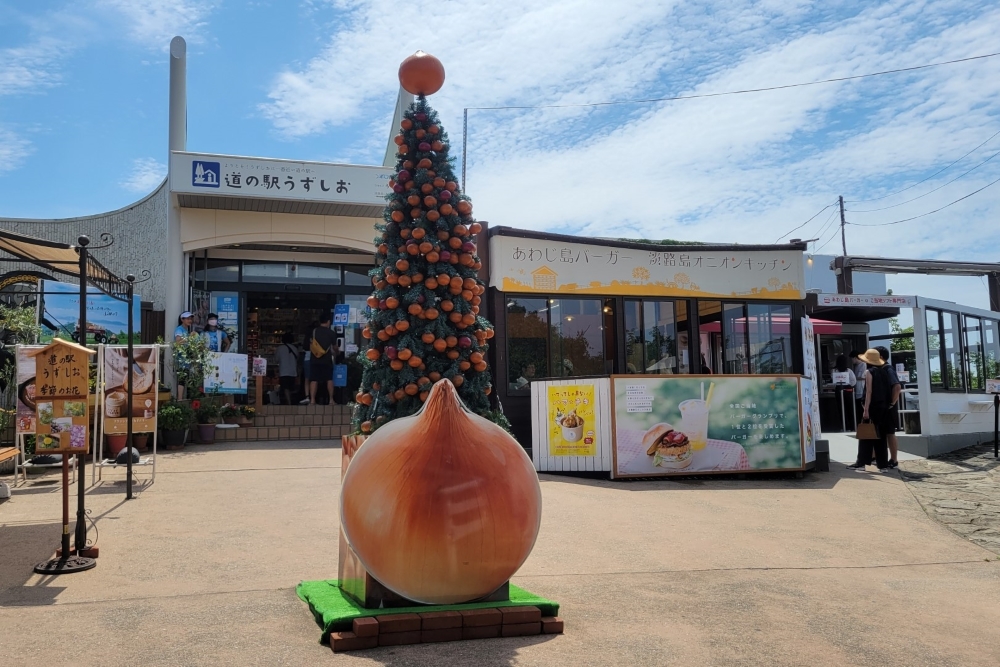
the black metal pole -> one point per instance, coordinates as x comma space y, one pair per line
131, 360
81, 505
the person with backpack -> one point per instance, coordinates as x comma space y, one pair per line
287, 356
322, 348
880, 395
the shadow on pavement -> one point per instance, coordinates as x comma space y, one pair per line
25, 545
502, 652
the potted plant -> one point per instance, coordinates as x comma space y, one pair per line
247, 414
207, 414
116, 443
141, 441
230, 413
174, 420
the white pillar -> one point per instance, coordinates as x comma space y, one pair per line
176, 293
403, 102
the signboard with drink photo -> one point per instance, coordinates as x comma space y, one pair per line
671, 425
144, 394
571, 422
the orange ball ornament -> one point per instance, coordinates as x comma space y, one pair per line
421, 74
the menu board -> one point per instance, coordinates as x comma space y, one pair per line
572, 420
682, 425
144, 394
61, 390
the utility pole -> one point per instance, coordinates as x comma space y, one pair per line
843, 223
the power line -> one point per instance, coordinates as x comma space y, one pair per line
896, 222
829, 221
886, 208
806, 222
740, 92
943, 169
830, 238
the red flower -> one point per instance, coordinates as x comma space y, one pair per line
195, 405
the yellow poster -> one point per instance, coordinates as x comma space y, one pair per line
572, 425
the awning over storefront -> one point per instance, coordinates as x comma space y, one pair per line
61, 258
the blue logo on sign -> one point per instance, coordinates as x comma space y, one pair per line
205, 174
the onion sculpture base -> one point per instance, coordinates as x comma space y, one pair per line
356, 582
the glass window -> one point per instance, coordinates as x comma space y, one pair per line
656, 337
527, 341
991, 348
219, 270
770, 338
357, 276
291, 272
933, 319
577, 337
954, 368
734, 330
975, 361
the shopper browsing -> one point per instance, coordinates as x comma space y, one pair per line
322, 347
287, 356
892, 425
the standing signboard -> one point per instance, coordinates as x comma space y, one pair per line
61, 390
810, 390
107, 317
571, 420
144, 394
226, 373
674, 425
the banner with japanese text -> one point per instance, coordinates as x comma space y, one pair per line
673, 425
572, 421
810, 390
144, 385
26, 388
61, 391
556, 267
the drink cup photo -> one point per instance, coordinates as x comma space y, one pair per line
115, 404
572, 427
694, 413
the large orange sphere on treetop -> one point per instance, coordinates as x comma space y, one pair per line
421, 74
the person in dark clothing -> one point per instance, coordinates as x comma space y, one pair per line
892, 424
321, 364
879, 393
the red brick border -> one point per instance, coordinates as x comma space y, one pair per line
444, 626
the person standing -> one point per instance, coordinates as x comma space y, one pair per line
892, 424
323, 347
218, 341
288, 365
183, 330
878, 397
860, 371
184, 324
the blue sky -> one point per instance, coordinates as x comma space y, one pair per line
83, 90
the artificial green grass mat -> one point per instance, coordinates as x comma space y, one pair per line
334, 611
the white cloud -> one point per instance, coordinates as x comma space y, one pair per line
13, 150
153, 23
145, 175
31, 67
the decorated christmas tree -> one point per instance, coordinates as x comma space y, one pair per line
424, 323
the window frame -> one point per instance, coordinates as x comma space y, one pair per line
959, 344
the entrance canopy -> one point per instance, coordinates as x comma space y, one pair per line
64, 259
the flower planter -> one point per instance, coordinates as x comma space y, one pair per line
173, 439
231, 420
206, 434
141, 441
116, 443
244, 421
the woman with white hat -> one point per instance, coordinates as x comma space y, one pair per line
877, 404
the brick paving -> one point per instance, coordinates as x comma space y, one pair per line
962, 491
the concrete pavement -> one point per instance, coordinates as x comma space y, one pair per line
834, 569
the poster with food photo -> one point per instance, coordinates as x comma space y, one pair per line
571, 420
671, 425
62, 426
26, 388
144, 394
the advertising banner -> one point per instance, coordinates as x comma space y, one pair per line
527, 265
571, 420
260, 367
674, 425
226, 373
107, 317
201, 306
144, 394
993, 386
26, 388
810, 392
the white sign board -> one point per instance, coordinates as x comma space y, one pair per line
810, 391
554, 267
204, 174
993, 386
866, 300
841, 378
